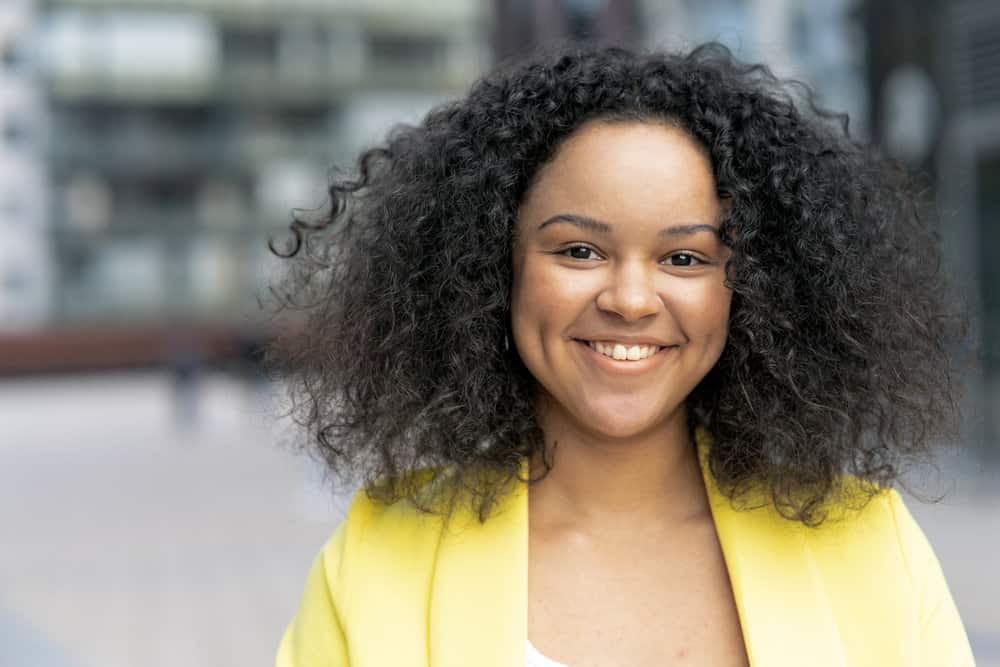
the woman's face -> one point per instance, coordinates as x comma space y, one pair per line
619, 307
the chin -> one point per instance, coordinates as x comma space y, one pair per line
614, 427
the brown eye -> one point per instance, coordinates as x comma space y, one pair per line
579, 252
683, 259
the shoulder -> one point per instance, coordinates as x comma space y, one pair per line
866, 520
867, 542
887, 573
874, 545
386, 538
375, 563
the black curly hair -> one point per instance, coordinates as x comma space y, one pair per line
837, 361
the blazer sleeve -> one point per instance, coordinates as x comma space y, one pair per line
315, 637
943, 641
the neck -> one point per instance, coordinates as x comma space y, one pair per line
605, 484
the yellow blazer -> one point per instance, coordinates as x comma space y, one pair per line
391, 588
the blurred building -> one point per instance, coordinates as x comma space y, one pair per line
26, 265
821, 43
968, 169
181, 135
186, 131
934, 82
523, 25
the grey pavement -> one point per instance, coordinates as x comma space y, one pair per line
130, 541
129, 538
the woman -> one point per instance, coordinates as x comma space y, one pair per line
629, 351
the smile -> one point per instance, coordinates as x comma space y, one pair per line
622, 351
624, 359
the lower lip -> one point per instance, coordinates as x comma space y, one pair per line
625, 367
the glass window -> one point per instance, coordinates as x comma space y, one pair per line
399, 50
243, 45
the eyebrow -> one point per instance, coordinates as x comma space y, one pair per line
592, 225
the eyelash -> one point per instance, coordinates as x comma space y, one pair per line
565, 252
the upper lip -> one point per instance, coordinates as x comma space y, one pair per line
626, 338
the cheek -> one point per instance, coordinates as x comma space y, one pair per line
526, 304
717, 318
544, 304
530, 303
704, 311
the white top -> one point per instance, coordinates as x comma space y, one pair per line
536, 659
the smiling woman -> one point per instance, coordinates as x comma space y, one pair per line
628, 351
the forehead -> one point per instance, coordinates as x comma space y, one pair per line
643, 170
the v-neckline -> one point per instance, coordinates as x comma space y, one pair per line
702, 442
784, 610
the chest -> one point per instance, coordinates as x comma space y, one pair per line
652, 601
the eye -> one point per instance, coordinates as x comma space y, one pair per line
683, 259
579, 252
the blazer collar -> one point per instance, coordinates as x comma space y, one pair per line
779, 590
479, 591
479, 610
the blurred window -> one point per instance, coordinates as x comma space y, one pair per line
89, 202
221, 203
249, 45
131, 46
399, 50
160, 46
302, 48
984, 61
305, 123
581, 17
131, 275
84, 119
180, 116
214, 273
155, 205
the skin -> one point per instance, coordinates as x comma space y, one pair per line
618, 237
633, 279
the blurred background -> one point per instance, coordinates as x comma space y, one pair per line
151, 511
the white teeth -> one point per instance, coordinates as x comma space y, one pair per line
622, 352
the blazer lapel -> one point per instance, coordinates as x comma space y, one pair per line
479, 594
779, 591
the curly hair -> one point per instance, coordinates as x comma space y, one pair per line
837, 360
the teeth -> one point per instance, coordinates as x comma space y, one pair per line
624, 352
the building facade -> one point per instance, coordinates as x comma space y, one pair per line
185, 132
27, 270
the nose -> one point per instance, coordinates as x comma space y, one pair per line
631, 294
